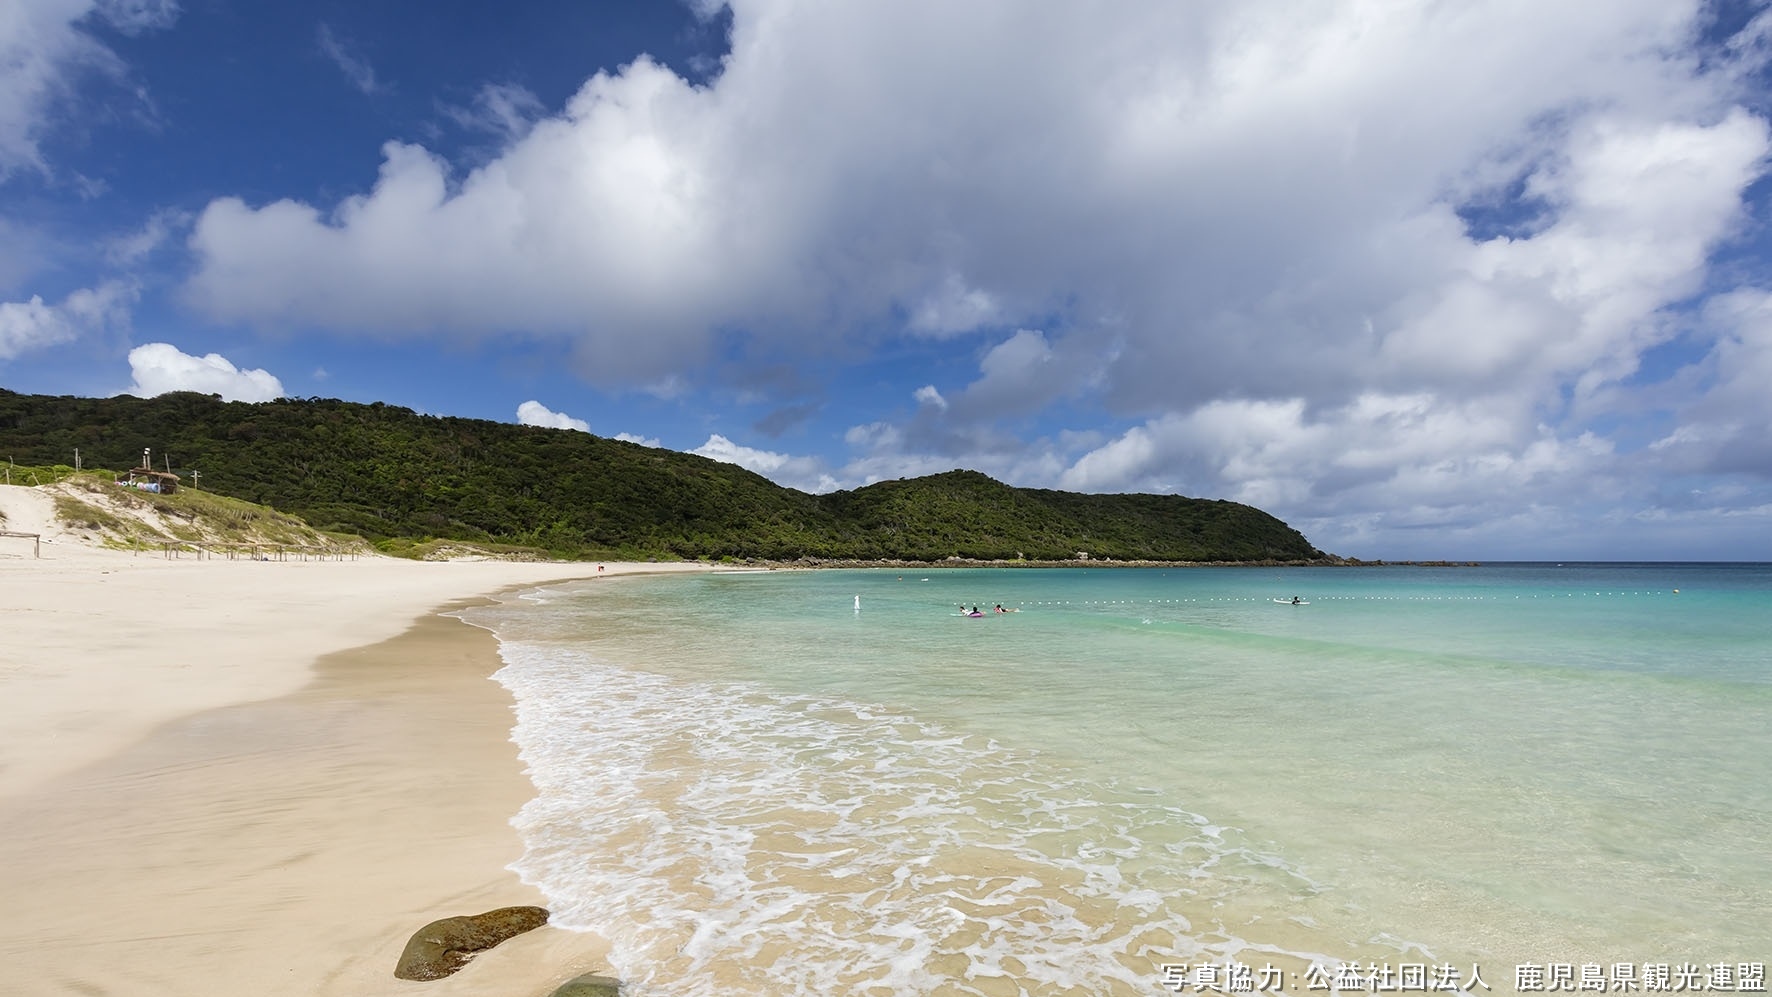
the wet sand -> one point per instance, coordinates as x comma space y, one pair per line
289, 846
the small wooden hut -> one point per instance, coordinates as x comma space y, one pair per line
149, 480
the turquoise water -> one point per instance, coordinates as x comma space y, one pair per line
744, 781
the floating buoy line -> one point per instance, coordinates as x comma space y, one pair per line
1207, 600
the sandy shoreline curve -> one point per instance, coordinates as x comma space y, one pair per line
106, 645
220, 777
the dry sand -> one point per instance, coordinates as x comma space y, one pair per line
223, 777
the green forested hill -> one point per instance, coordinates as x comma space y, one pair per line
388, 472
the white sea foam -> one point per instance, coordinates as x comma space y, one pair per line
804, 846
781, 795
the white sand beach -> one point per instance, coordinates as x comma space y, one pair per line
224, 776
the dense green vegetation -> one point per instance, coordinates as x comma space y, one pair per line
392, 475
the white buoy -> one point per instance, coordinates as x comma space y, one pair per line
858, 603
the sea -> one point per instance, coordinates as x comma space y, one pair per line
1499, 778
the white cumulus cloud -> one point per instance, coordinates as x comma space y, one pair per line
1353, 264
31, 325
804, 473
534, 413
1218, 198
162, 367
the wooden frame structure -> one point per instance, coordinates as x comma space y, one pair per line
35, 538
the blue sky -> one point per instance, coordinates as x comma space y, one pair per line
1477, 280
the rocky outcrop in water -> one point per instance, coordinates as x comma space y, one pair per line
589, 985
442, 947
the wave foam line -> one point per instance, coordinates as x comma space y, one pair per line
812, 847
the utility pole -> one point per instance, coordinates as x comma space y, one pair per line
196, 477
76, 460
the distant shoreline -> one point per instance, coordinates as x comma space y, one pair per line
959, 562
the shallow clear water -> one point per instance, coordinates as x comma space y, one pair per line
743, 780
